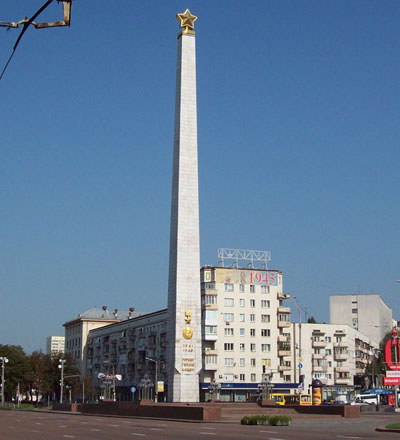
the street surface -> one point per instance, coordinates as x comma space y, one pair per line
38, 425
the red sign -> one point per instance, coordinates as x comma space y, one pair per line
393, 364
265, 278
391, 381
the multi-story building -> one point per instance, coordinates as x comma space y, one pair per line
133, 351
245, 339
77, 329
246, 332
55, 345
334, 354
368, 314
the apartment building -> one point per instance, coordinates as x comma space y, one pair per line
133, 353
55, 345
334, 354
246, 333
368, 314
77, 330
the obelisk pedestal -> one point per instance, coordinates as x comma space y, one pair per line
184, 305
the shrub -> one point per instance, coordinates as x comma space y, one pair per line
280, 421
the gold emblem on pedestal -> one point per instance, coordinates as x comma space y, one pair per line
188, 331
187, 21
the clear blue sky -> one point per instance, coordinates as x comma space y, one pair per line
299, 129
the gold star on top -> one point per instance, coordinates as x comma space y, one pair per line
186, 20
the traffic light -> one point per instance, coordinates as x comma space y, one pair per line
264, 369
301, 378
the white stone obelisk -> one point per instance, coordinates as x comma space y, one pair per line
184, 305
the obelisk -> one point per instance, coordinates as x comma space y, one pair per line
184, 305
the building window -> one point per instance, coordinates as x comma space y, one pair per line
252, 317
252, 303
241, 346
354, 311
228, 362
266, 362
252, 288
229, 287
210, 299
241, 287
228, 317
253, 362
242, 362
265, 332
242, 377
252, 332
252, 347
210, 329
210, 359
327, 338
264, 289
328, 351
266, 347
253, 377
265, 304
241, 332
265, 318
241, 317
228, 331
228, 302
228, 346
208, 315
241, 302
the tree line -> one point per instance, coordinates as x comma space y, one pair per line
37, 376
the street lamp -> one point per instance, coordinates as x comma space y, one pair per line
300, 359
113, 375
155, 379
4, 361
61, 367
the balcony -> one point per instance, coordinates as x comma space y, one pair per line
318, 356
319, 369
319, 344
282, 353
284, 338
341, 344
342, 369
210, 366
284, 368
283, 324
283, 295
282, 309
343, 381
340, 356
210, 351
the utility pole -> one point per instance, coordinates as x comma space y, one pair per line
4, 361
155, 379
299, 310
61, 367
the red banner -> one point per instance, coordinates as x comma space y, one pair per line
391, 381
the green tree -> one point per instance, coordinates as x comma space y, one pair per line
38, 375
377, 365
311, 320
14, 370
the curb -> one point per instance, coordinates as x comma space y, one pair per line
382, 429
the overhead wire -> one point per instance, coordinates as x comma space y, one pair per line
27, 23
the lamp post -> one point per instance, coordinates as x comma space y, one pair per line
155, 379
113, 376
61, 367
299, 310
4, 361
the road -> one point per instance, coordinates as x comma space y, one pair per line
36, 425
